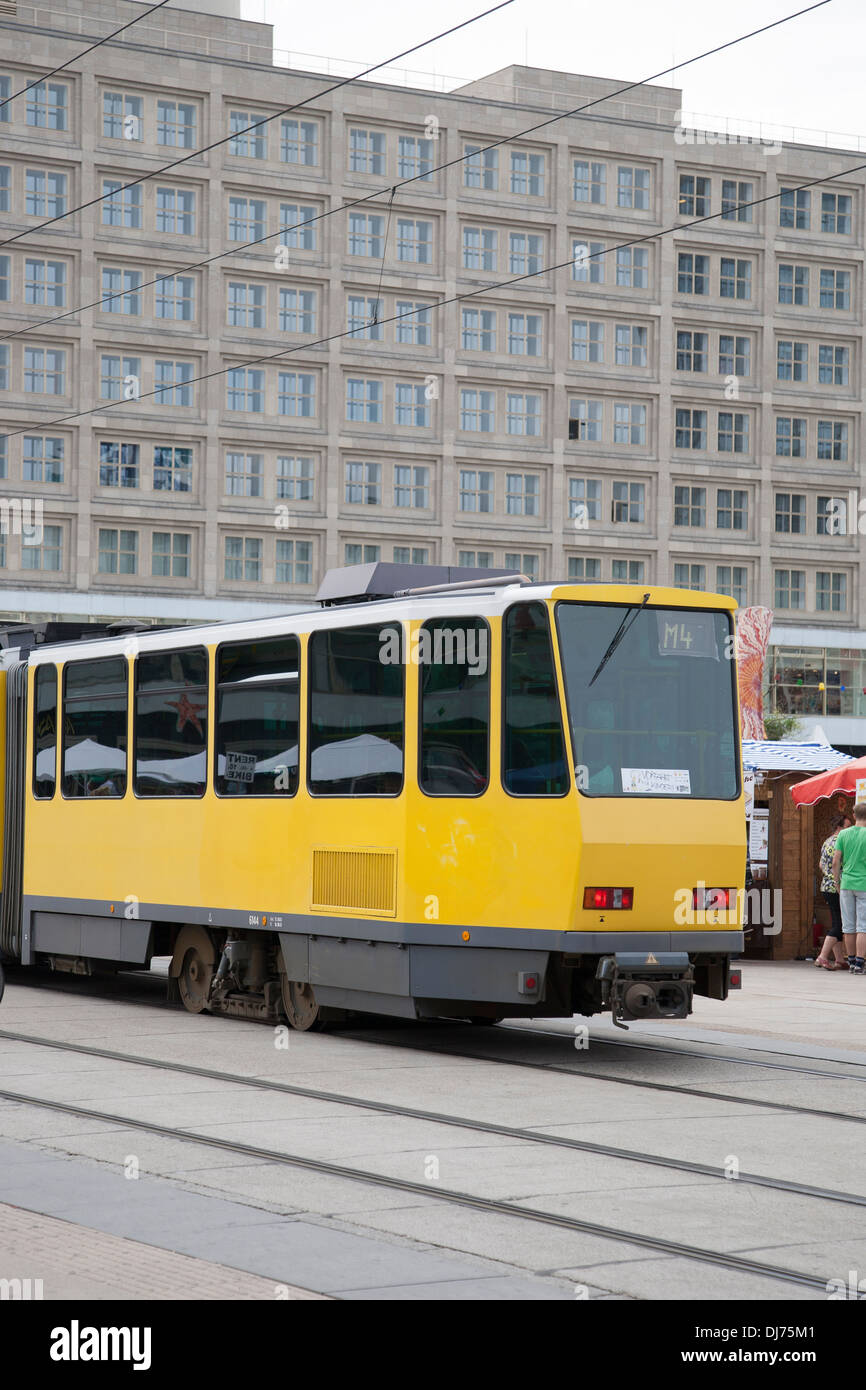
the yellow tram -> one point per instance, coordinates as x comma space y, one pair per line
432, 796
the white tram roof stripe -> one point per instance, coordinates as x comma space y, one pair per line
481, 603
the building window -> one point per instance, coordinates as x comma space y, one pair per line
690, 429
833, 365
480, 248
631, 345
590, 180
299, 142
362, 554
47, 106
690, 576
633, 188
790, 437
695, 196
524, 335
692, 351
246, 389
476, 490
628, 502
478, 330
791, 513
243, 558
170, 554
363, 318
832, 516
693, 273
475, 559
835, 289
297, 310
45, 283
45, 371
411, 486
831, 592
175, 124
525, 253
411, 406
522, 492
587, 262
629, 423
121, 207
296, 394
121, 116
733, 433
476, 411
295, 478
414, 323
585, 420
245, 475
45, 193
121, 291
366, 235
584, 499
736, 196
118, 464
790, 588
690, 506
735, 355
44, 554
480, 167
364, 484
627, 571
119, 378
833, 440
173, 381
249, 136
118, 552
298, 229
735, 278
732, 580
414, 158
793, 284
732, 509
175, 211
584, 570
836, 213
522, 564
172, 469
365, 401
632, 267
175, 297
5, 187
294, 562
411, 555
523, 415
366, 152
414, 241
527, 173
4, 278
792, 360
42, 459
247, 219
245, 306
587, 340
4, 367
794, 208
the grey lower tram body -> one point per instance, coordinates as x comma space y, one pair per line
406, 969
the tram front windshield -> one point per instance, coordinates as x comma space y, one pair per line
658, 716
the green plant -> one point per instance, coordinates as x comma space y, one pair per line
779, 726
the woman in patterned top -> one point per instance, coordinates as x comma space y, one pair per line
832, 944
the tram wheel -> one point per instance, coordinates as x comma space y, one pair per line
196, 968
299, 1003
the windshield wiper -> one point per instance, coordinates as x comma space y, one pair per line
618, 636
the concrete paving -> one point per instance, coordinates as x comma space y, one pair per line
230, 1216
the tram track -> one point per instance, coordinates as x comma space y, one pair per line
738, 1263
511, 1132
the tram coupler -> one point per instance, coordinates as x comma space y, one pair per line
638, 985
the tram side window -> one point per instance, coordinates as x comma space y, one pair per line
171, 723
45, 732
257, 718
94, 727
533, 753
356, 712
454, 661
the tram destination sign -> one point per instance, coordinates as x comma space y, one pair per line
687, 634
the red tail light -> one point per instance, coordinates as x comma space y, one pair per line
713, 899
611, 899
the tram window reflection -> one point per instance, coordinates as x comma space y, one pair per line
45, 732
533, 753
356, 712
454, 668
171, 723
94, 727
257, 718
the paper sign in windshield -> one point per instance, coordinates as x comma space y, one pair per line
656, 781
240, 767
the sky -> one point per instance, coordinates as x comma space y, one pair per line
806, 74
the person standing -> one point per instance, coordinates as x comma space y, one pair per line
849, 873
832, 944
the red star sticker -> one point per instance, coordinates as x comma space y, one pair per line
186, 713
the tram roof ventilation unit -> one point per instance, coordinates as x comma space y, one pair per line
365, 583
26, 636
